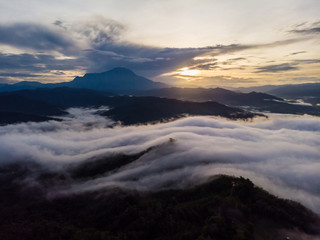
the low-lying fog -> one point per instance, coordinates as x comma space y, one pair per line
281, 154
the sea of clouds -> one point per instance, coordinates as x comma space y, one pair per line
280, 154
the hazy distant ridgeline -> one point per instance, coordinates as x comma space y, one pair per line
255, 100
288, 91
309, 92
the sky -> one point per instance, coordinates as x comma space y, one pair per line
186, 43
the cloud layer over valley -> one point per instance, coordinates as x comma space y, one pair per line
280, 154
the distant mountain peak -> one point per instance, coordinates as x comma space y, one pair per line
117, 79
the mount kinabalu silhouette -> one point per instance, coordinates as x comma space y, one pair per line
117, 79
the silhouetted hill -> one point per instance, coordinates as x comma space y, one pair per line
256, 100
225, 208
20, 86
299, 90
29, 84
65, 97
153, 109
264, 88
15, 108
19, 104
211, 94
309, 92
13, 117
288, 90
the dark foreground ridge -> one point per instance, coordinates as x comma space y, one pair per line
224, 208
152, 110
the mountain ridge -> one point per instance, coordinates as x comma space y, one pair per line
257, 101
117, 79
127, 109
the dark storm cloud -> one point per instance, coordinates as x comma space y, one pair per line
147, 60
36, 63
108, 51
152, 61
276, 68
95, 46
35, 37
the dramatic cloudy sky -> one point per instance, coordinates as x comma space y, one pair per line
181, 42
